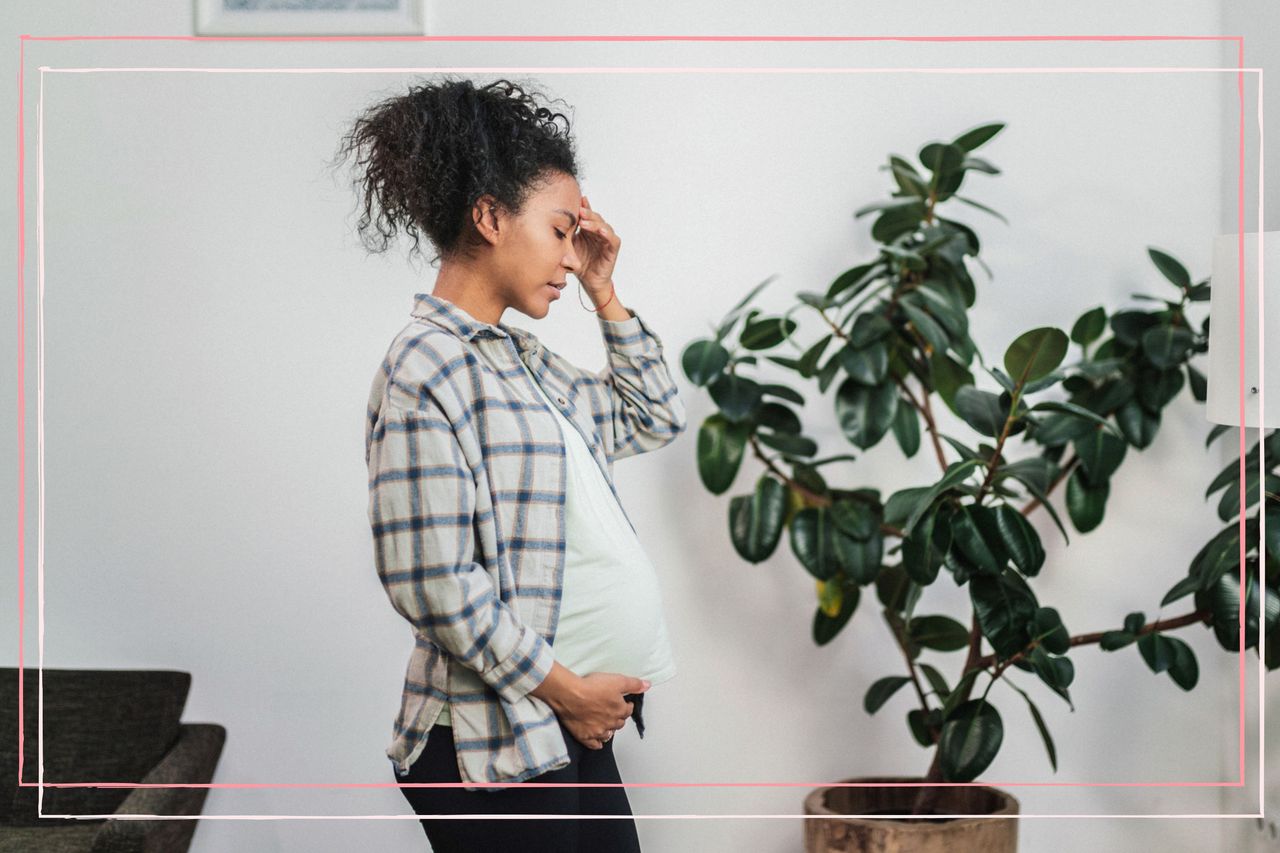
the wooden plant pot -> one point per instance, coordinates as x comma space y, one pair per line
912, 835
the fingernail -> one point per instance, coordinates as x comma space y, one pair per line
646, 685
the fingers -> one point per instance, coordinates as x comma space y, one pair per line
592, 221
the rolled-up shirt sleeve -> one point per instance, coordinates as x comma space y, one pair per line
646, 409
422, 503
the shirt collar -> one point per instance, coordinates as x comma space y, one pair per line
443, 313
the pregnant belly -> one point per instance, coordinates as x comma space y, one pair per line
611, 620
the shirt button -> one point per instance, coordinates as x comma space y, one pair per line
561, 399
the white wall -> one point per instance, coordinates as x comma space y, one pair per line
211, 327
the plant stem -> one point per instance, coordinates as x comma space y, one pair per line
1088, 639
1063, 471
927, 795
994, 462
811, 498
911, 670
927, 413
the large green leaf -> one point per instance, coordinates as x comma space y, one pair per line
1170, 267
948, 311
981, 410
948, 377
1157, 388
1046, 626
940, 633
924, 548
867, 364
936, 681
826, 627
906, 429
853, 281
895, 590
941, 157
909, 180
1003, 610
807, 364
1169, 653
859, 558
902, 503
898, 220
1086, 503
737, 396
1100, 454
1138, 425
1220, 554
1040, 725
720, 449
928, 328
1057, 672
865, 412
1107, 397
971, 139
855, 518
1090, 326
868, 327
1075, 411
1021, 540
1060, 428
977, 536
1166, 346
756, 520
1199, 384
1223, 599
813, 542
1035, 353
1035, 471
766, 332
703, 360
970, 739
1128, 326
791, 445
783, 392
955, 474
882, 690
778, 418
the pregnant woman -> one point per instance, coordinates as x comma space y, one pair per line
498, 532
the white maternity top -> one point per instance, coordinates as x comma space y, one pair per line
611, 615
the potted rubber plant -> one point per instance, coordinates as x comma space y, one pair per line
1061, 412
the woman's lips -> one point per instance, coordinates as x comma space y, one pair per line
555, 292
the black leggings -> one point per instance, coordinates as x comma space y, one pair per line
438, 763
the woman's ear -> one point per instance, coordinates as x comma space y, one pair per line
484, 216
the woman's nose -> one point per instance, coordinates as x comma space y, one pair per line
571, 260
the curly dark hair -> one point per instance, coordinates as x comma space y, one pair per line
428, 155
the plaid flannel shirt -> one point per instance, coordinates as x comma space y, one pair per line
466, 503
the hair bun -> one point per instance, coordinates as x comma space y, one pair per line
430, 154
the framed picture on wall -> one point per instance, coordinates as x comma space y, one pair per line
310, 17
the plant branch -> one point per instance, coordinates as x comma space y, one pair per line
1088, 639
1062, 475
927, 413
994, 462
911, 669
811, 497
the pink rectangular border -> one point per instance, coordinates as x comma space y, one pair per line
1240, 211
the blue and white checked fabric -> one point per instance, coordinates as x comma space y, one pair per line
466, 504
